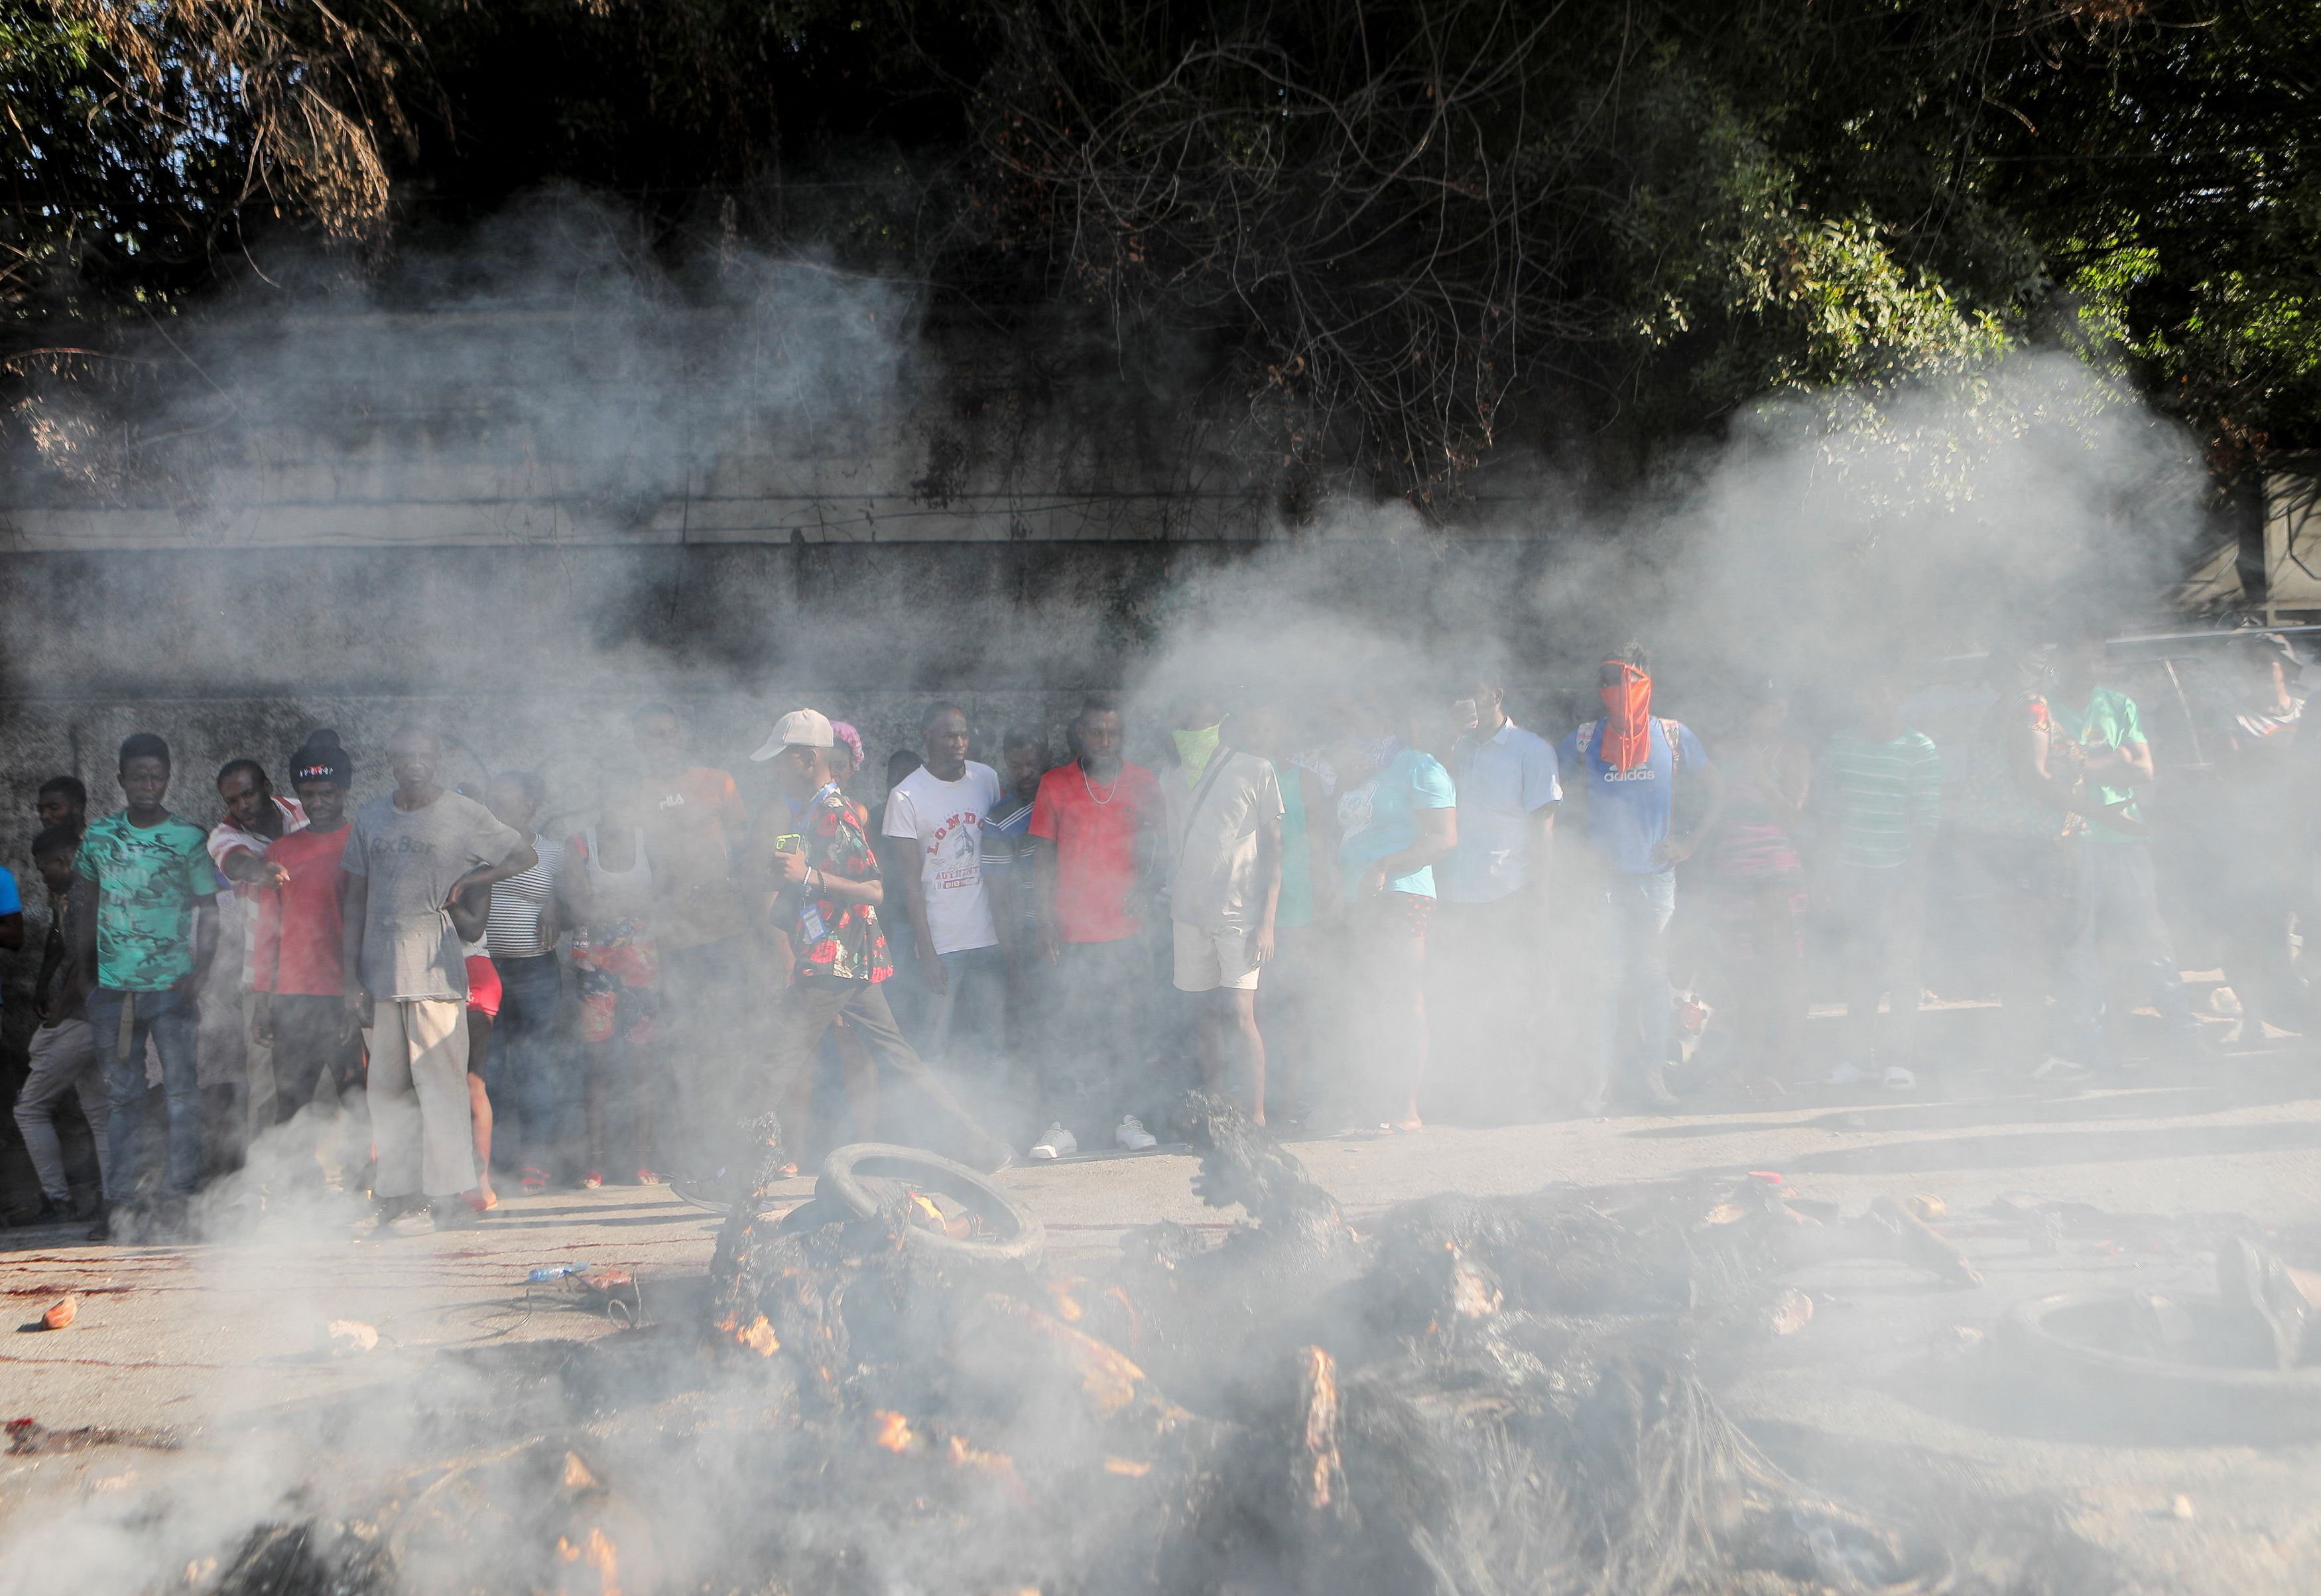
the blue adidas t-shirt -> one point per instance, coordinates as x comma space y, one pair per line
1008, 855
1628, 810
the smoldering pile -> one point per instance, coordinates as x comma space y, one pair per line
891, 1395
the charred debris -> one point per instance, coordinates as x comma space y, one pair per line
891, 1395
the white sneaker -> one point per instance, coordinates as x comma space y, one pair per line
1848, 1074
2057, 1068
1056, 1143
1133, 1135
1897, 1079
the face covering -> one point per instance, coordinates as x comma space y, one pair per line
1627, 739
1196, 749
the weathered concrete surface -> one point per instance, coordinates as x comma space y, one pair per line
204, 1338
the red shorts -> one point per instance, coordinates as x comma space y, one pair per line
482, 985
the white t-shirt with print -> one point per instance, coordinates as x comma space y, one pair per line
945, 819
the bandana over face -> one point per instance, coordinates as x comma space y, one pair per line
1627, 741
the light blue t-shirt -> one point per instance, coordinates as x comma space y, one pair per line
1502, 780
1375, 818
1628, 810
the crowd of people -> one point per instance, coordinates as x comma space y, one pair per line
1315, 906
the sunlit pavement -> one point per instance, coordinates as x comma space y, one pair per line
197, 1340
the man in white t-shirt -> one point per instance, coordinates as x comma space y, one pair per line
941, 807
1225, 824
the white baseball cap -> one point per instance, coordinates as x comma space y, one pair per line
800, 729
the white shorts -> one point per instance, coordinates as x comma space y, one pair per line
1212, 956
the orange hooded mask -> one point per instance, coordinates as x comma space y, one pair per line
1627, 741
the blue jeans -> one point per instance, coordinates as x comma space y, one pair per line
1634, 998
168, 1018
969, 1016
525, 1068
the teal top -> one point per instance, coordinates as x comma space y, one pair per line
1377, 820
1296, 907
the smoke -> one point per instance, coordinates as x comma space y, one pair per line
735, 476
528, 483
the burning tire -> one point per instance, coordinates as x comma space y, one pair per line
2084, 1342
864, 1178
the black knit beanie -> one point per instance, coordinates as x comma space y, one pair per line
320, 759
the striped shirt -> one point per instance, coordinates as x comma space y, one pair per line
512, 931
1880, 797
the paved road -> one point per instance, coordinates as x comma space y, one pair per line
200, 1339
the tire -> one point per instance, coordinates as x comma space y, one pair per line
845, 1183
697, 1196
811, 1215
2219, 1402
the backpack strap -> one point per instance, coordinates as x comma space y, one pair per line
1669, 730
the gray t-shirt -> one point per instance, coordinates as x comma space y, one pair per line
1214, 883
411, 859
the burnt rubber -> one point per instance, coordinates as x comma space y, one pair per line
847, 1183
811, 1215
2225, 1402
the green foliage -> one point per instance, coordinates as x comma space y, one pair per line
2171, 185
1399, 239
1794, 303
109, 206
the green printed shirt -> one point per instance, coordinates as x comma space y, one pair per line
1880, 797
148, 882
2107, 720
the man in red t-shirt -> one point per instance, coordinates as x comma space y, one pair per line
1090, 822
296, 957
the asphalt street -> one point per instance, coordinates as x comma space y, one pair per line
191, 1345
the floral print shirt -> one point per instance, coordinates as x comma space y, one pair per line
1991, 802
841, 941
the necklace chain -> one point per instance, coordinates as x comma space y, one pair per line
1112, 788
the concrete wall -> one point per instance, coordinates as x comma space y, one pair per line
518, 526
624, 426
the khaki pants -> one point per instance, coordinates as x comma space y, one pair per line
256, 1072
418, 1097
62, 1059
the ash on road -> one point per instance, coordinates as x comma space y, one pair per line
191, 1346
